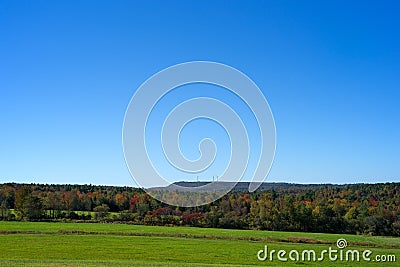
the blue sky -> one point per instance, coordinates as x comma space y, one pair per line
329, 70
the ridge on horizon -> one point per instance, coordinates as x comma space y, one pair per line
200, 183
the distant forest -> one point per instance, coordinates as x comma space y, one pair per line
372, 209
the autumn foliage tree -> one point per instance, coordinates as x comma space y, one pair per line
28, 206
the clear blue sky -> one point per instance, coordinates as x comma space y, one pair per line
329, 69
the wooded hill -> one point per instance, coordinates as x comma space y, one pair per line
355, 208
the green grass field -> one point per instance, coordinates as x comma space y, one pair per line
84, 244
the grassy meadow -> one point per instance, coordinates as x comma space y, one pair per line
85, 244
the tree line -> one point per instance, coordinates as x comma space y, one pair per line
355, 209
